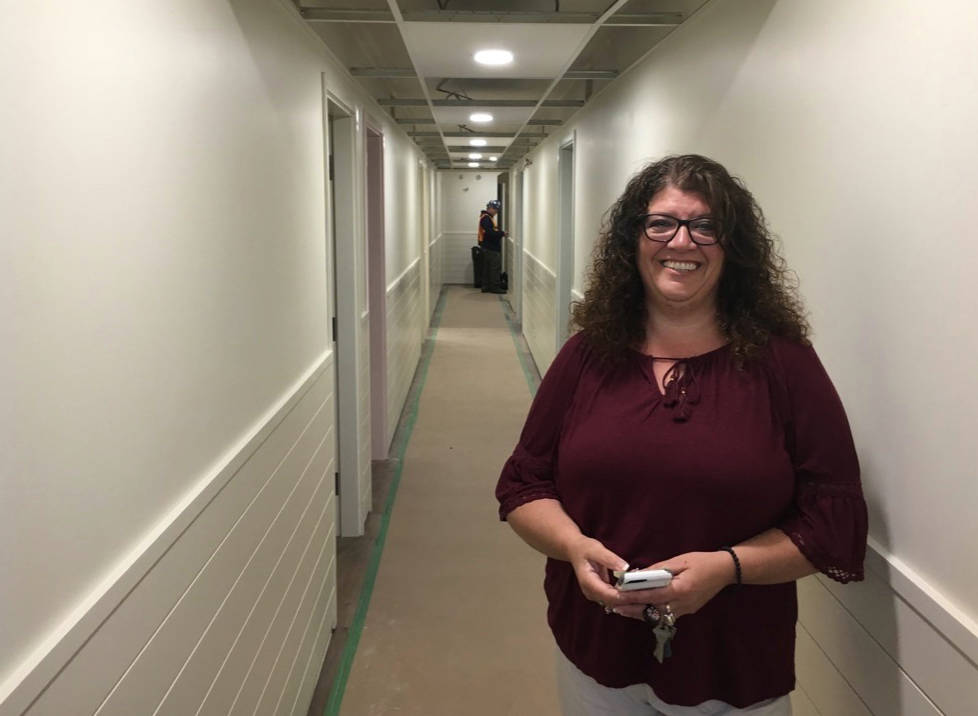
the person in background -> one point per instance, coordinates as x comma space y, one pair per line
689, 426
490, 241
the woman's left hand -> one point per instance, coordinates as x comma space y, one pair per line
697, 577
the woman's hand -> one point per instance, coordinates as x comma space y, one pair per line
592, 563
697, 577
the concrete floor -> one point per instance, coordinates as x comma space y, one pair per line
457, 619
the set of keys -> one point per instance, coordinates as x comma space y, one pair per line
664, 627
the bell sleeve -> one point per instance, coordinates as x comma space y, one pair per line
828, 519
528, 474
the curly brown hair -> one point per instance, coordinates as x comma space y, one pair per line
757, 295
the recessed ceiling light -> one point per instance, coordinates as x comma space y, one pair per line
480, 117
477, 142
475, 155
493, 159
473, 164
493, 57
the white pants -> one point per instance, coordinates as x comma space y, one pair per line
580, 695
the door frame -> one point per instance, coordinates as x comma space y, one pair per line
376, 287
566, 159
341, 143
424, 229
503, 222
517, 281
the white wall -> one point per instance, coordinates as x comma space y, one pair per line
436, 273
539, 309
540, 214
406, 313
540, 231
463, 195
405, 317
403, 193
167, 370
853, 124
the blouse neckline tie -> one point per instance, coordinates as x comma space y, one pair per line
681, 391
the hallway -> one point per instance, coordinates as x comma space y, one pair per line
237, 251
456, 620
450, 617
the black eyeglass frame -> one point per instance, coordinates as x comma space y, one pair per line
680, 223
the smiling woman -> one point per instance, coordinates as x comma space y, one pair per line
754, 295
679, 273
690, 427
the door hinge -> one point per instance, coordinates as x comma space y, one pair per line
337, 483
334, 329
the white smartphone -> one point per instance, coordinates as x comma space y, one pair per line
642, 579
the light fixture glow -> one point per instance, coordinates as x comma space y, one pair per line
473, 164
480, 117
477, 142
493, 57
493, 159
475, 155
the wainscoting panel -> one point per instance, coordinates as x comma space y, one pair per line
185, 639
405, 324
539, 310
313, 665
509, 249
285, 541
363, 379
277, 658
435, 266
515, 279
457, 256
896, 661
801, 705
938, 663
818, 678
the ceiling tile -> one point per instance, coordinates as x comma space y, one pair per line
364, 44
391, 87
487, 88
616, 48
445, 49
506, 5
346, 4
686, 7
503, 117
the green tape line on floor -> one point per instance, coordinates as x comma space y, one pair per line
530, 371
401, 440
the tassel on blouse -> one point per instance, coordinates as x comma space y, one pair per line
681, 390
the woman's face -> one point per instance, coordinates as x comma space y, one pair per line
679, 274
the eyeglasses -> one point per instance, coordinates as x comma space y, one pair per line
703, 230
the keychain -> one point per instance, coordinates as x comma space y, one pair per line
664, 628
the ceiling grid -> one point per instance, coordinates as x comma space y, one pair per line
416, 58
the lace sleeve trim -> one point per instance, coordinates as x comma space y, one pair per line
813, 490
828, 526
822, 562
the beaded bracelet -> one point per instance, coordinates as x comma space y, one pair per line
736, 563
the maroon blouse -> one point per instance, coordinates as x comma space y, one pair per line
724, 455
